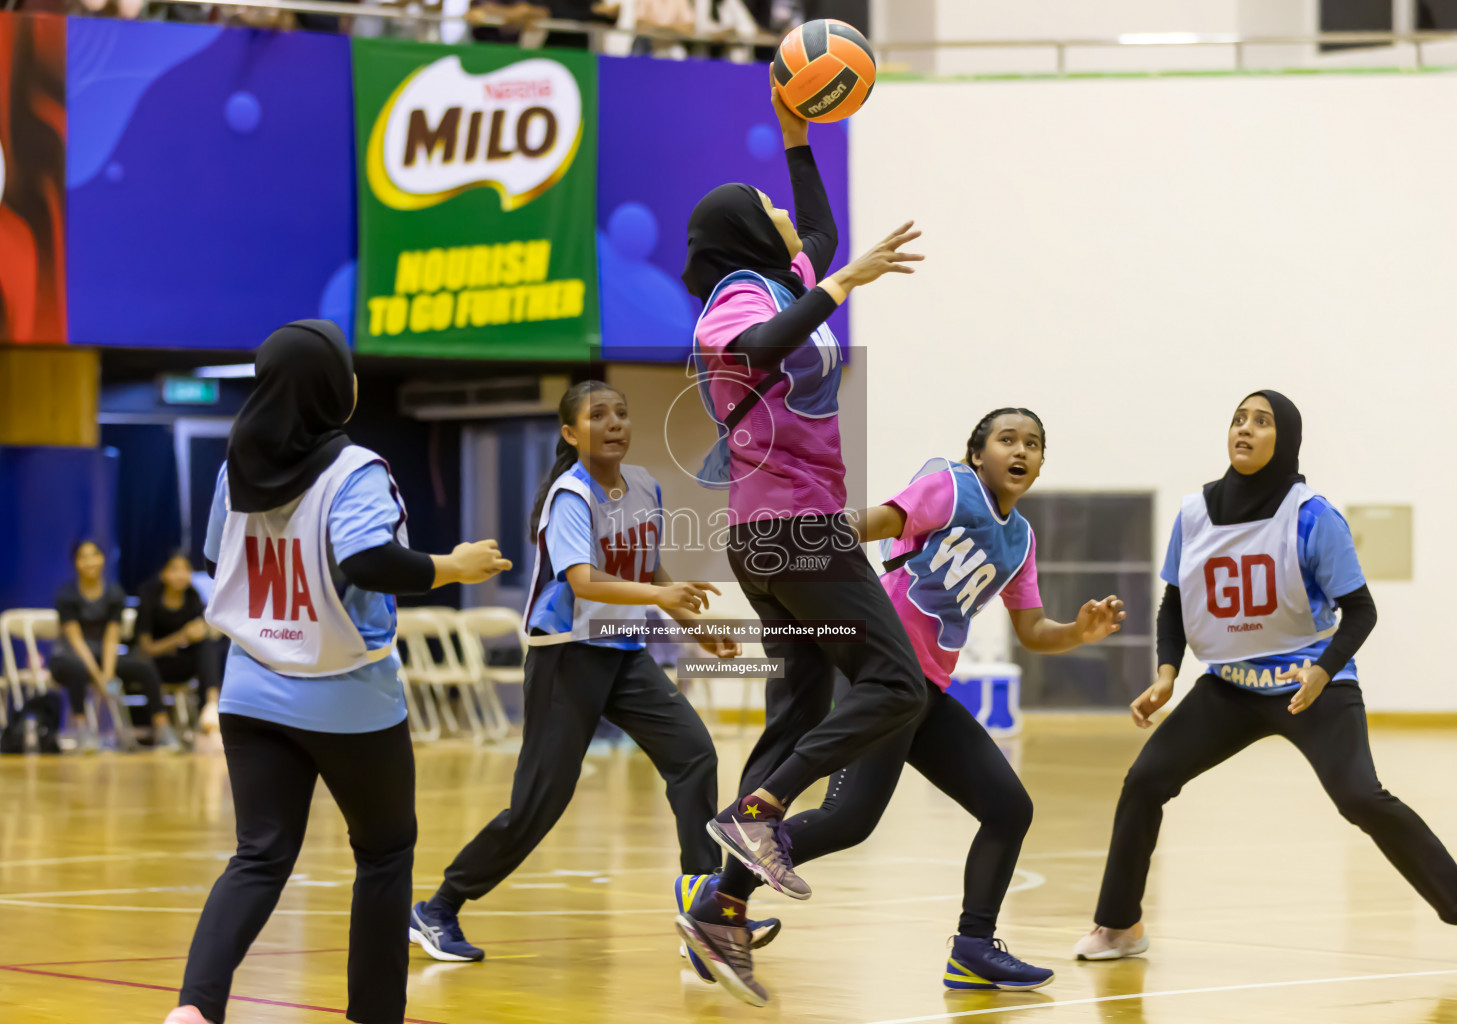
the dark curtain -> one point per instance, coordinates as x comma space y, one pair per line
424, 458
148, 510
1436, 15
204, 458
1354, 16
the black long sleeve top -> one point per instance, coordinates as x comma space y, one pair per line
1358, 619
766, 343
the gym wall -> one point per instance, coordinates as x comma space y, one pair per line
1131, 257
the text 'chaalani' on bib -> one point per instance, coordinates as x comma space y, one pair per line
277, 596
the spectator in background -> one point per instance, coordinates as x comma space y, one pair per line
631, 15
171, 631
88, 651
520, 17
524, 17
129, 9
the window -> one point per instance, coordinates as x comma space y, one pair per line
1089, 546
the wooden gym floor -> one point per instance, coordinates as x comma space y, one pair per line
1264, 905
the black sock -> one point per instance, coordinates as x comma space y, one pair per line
737, 881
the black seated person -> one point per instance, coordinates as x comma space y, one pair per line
88, 652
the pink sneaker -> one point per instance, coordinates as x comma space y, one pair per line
186, 1015
1111, 943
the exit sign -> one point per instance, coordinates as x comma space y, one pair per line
189, 391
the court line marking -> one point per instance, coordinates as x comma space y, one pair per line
173, 988
1167, 992
1030, 880
180, 956
300, 952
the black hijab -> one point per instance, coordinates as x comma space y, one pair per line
291, 426
1237, 498
729, 230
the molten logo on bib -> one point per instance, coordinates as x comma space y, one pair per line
444, 131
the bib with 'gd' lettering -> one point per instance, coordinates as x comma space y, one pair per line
1242, 591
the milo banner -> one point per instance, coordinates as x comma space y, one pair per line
477, 201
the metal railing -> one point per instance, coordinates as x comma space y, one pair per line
429, 12
419, 11
1238, 43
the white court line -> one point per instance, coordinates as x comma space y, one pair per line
1030, 880
100, 857
1167, 992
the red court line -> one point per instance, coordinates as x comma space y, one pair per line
182, 956
172, 988
302, 952
305, 952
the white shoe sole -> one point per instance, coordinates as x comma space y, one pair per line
725, 974
754, 869
436, 953
1137, 948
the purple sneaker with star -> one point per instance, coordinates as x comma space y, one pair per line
753, 832
726, 950
689, 888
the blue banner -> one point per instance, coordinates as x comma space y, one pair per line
669, 132
209, 183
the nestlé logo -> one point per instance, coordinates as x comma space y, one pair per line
444, 130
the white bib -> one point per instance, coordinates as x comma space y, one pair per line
1242, 591
276, 595
626, 534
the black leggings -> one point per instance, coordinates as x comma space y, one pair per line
951, 749
272, 769
201, 661
804, 738
808, 732
569, 688
1216, 721
132, 669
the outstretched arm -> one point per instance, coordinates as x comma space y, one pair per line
393, 568
1096, 620
592, 584
813, 218
880, 522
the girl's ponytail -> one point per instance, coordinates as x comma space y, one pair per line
565, 456
568, 410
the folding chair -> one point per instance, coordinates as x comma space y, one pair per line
413, 629
16, 628
477, 627
446, 674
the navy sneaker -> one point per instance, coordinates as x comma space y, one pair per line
987, 964
687, 889
438, 933
754, 834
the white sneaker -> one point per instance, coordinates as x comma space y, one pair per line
1110, 944
186, 1015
